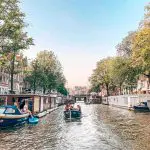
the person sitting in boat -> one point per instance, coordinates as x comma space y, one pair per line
15, 104
71, 107
79, 107
25, 110
67, 107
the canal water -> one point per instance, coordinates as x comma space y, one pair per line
101, 128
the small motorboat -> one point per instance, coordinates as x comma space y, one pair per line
141, 107
11, 115
33, 120
72, 112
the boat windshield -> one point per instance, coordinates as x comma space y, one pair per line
2, 109
10, 111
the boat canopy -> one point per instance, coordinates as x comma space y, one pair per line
10, 110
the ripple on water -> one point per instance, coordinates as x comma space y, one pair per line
101, 127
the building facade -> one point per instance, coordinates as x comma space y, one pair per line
5, 84
78, 90
143, 85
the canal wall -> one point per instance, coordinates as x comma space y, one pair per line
125, 101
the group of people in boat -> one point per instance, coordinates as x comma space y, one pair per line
70, 107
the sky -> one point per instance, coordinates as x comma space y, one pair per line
80, 32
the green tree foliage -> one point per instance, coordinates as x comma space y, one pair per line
61, 89
13, 38
125, 47
49, 69
141, 49
141, 45
123, 73
102, 74
145, 23
120, 67
94, 88
46, 73
33, 75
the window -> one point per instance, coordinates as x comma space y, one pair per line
125, 100
10, 111
2, 109
2, 101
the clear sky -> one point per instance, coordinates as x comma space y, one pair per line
80, 32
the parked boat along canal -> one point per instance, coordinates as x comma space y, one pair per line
100, 128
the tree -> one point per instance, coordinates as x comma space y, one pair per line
120, 67
125, 47
46, 73
13, 38
33, 75
48, 67
123, 73
102, 74
145, 23
95, 88
141, 45
61, 89
141, 51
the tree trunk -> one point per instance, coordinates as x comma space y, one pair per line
107, 89
44, 90
34, 83
148, 86
50, 90
34, 87
12, 72
120, 89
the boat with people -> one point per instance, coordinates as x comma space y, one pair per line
71, 112
141, 107
11, 115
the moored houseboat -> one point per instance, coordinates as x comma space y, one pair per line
37, 104
128, 101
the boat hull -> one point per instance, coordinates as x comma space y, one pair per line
138, 108
87, 103
13, 120
74, 114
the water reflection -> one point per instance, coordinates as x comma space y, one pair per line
101, 127
72, 120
